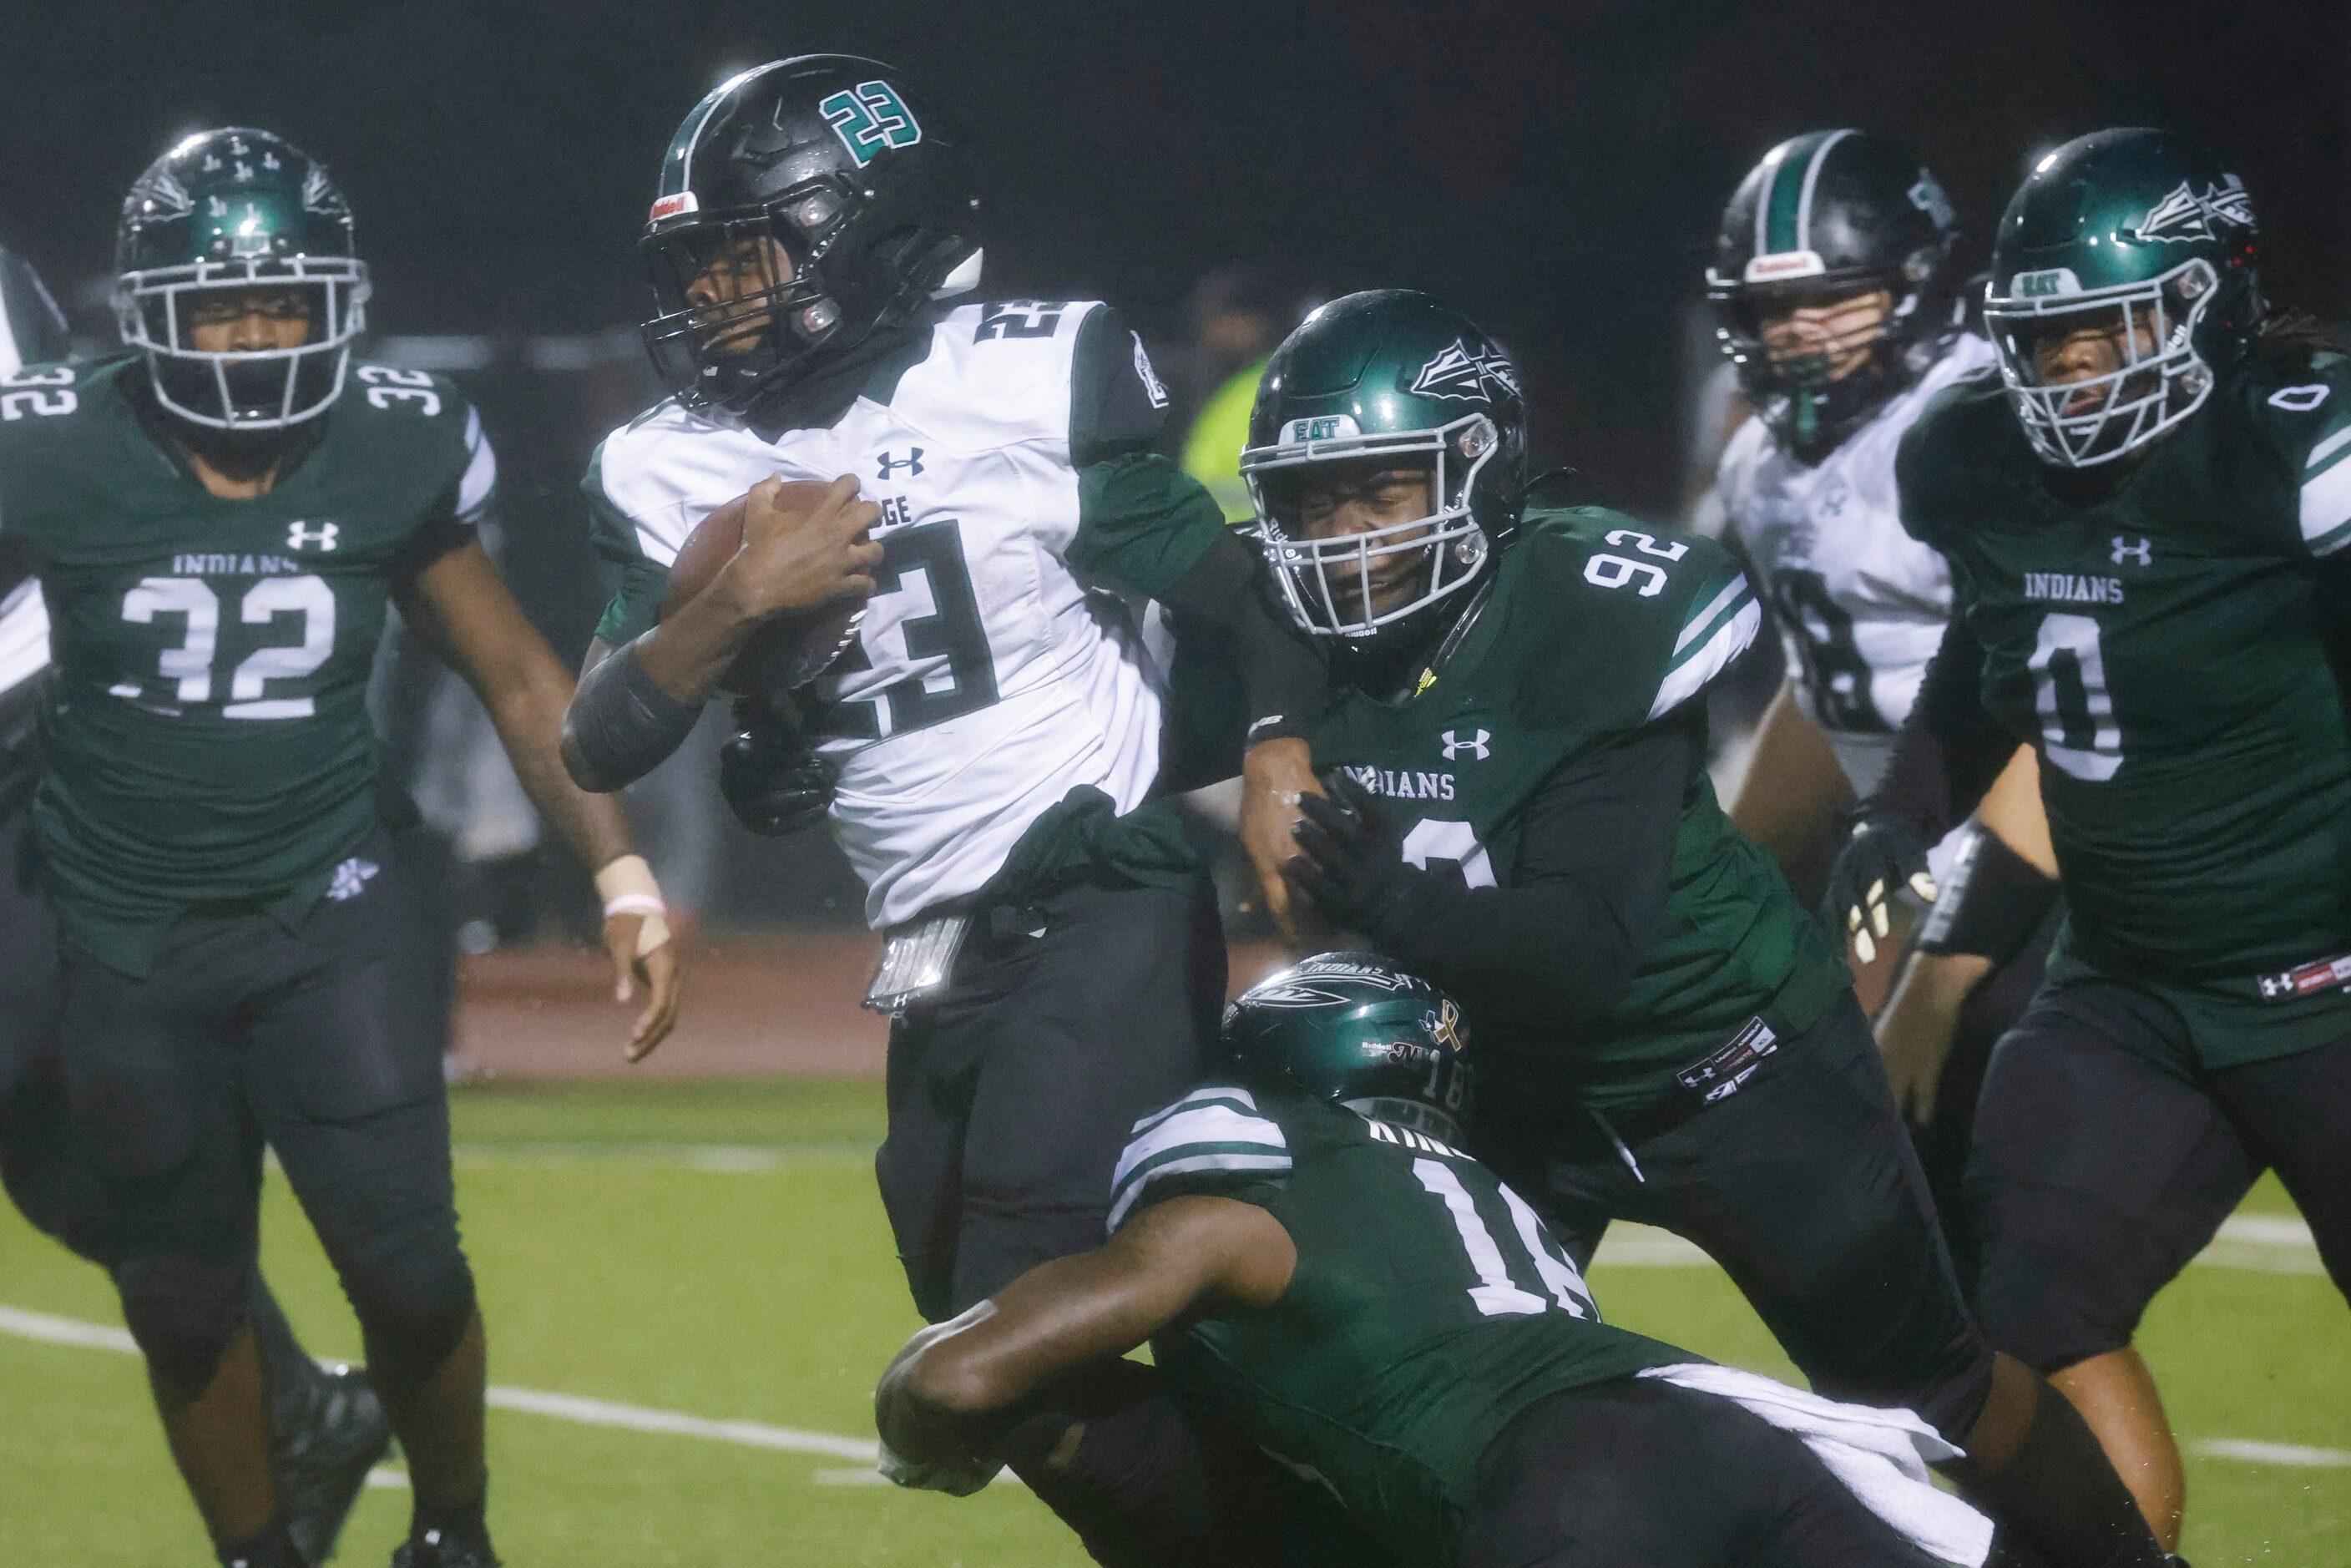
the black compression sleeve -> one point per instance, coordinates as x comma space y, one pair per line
1586, 898
1949, 749
621, 725
1225, 595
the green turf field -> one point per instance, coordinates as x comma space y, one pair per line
716, 1250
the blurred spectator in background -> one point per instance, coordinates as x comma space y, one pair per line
1239, 312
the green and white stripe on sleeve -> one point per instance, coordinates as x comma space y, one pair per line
1211, 1139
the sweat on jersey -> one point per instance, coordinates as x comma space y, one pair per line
1860, 604
1001, 685
207, 735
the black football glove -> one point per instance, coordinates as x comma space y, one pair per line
774, 781
1884, 856
1351, 865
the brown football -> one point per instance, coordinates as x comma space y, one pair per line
790, 648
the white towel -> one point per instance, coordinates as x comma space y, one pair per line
1881, 1455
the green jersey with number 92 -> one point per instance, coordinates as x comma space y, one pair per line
2168, 650
1595, 627
207, 735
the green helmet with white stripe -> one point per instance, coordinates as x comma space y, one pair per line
2123, 281
1828, 216
1355, 1028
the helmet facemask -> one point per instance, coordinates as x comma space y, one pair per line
1798, 392
1334, 584
726, 318
245, 389
2161, 377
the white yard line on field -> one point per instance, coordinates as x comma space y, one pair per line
49, 1329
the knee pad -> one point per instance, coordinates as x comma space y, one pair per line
413, 1294
184, 1311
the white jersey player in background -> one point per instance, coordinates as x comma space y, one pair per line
1837, 304
990, 747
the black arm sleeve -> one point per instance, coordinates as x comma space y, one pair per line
621, 725
1587, 896
1949, 750
1225, 597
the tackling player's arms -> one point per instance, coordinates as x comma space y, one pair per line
1182, 1255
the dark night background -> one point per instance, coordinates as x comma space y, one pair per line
1556, 170
1553, 169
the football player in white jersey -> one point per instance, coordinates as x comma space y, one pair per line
1837, 303
991, 740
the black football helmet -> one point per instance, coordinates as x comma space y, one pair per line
1355, 1028
861, 183
1826, 214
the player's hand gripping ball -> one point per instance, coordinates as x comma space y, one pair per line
1884, 856
798, 555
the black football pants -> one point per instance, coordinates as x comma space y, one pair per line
1804, 1187
1634, 1472
245, 1034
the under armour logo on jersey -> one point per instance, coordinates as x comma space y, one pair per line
300, 536
1476, 745
2141, 553
912, 463
350, 879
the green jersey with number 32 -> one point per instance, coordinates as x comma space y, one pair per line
208, 740
1595, 627
2169, 651
1428, 1308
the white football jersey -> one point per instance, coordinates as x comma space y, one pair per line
986, 681
1860, 604
23, 634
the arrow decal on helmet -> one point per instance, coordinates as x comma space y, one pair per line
1456, 372
2189, 215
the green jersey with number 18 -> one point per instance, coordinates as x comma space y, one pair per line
2169, 649
1594, 628
1428, 1308
208, 740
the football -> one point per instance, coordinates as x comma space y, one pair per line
789, 649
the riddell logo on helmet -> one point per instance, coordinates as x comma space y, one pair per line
1785, 264
673, 204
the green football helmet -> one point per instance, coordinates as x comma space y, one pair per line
1388, 372
1355, 1028
2140, 231
235, 210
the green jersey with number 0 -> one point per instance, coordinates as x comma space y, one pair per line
1428, 1308
1595, 627
208, 740
2169, 651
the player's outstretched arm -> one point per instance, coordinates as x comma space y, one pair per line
462, 607
936, 1402
635, 704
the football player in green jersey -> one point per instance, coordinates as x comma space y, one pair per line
327, 1427
2145, 512
1375, 1310
218, 520
1521, 811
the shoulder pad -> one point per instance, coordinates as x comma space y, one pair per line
1965, 432
2300, 408
654, 479
1213, 1139
998, 374
1667, 613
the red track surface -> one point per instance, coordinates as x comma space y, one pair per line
753, 1005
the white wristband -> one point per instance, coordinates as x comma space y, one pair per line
627, 887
